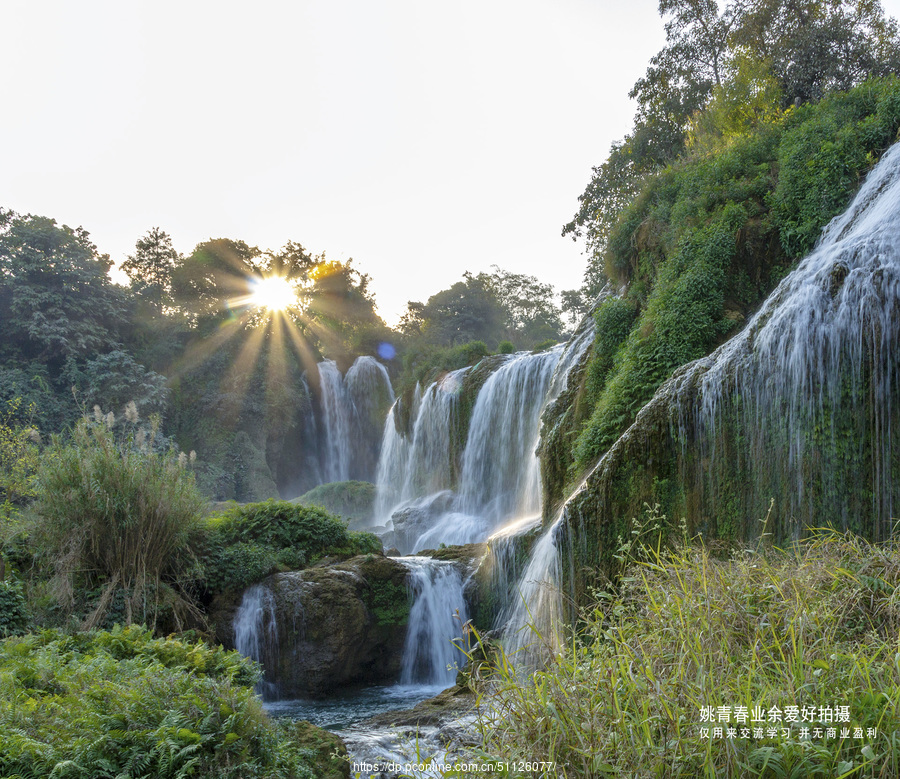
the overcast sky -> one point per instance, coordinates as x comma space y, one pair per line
422, 139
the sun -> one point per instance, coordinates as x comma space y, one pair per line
274, 293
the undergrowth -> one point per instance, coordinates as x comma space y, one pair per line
685, 633
123, 704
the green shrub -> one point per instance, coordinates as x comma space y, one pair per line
14, 612
247, 543
825, 151
228, 567
120, 516
506, 347
125, 704
280, 523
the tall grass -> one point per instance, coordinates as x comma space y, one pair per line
118, 516
812, 626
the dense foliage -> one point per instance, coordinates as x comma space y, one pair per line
122, 703
247, 543
708, 237
726, 68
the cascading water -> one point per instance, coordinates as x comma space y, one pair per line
352, 408
533, 619
256, 633
798, 411
500, 476
810, 387
418, 465
337, 421
499, 473
311, 467
432, 654
369, 391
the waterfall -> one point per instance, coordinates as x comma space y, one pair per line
369, 391
499, 471
500, 476
256, 633
336, 421
352, 407
310, 469
574, 350
804, 401
418, 465
508, 552
534, 618
431, 654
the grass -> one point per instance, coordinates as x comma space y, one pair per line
686, 632
118, 515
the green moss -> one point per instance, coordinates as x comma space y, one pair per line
388, 601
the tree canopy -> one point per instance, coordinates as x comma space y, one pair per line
488, 307
725, 68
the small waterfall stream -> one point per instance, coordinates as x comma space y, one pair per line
256, 633
432, 654
336, 421
532, 621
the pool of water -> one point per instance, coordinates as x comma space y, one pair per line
351, 706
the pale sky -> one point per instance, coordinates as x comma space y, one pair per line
422, 139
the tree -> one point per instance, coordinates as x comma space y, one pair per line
56, 298
818, 46
613, 185
724, 68
340, 317
682, 75
467, 311
150, 268
209, 279
532, 316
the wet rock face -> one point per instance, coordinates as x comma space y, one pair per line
339, 625
411, 522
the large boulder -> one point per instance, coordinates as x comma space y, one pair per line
338, 625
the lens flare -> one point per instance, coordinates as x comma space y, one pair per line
273, 293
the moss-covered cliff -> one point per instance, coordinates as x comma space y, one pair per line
695, 254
